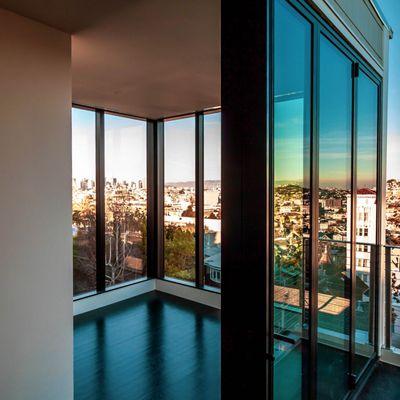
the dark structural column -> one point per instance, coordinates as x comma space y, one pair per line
245, 121
199, 200
151, 247
100, 204
159, 145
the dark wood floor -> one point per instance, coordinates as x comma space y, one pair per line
154, 346
384, 384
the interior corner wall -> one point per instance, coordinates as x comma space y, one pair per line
36, 325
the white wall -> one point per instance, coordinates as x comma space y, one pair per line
36, 323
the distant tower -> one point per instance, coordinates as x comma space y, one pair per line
84, 184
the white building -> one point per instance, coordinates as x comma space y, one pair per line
365, 230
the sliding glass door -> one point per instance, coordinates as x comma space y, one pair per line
325, 209
292, 97
334, 247
366, 221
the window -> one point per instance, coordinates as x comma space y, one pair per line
367, 150
84, 200
344, 113
335, 124
212, 198
179, 199
292, 87
125, 199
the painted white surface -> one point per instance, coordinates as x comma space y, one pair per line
94, 302
36, 326
205, 297
113, 296
391, 356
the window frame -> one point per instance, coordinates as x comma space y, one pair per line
320, 26
155, 201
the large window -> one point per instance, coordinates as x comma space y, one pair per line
212, 200
292, 86
109, 216
111, 159
179, 199
125, 199
366, 212
325, 209
335, 138
84, 200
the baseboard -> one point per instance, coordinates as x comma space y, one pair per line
107, 298
201, 296
390, 357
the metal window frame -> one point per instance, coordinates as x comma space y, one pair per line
100, 203
155, 195
159, 211
199, 193
151, 240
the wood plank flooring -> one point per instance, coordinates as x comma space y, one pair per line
154, 346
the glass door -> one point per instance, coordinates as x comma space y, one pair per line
334, 247
292, 110
325, 209
365, 260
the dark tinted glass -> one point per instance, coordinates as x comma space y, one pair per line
291, 198
335, 121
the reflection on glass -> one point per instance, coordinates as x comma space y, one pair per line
179, 199
291, 198
84, 200
335, 106
392, 260
125, 199
212, 200
367, 123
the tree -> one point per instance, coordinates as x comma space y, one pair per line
179, 248
125, 234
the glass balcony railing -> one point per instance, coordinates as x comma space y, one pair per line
392, 277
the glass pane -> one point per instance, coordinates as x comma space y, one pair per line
84, 200
212, 200
125, 199
335, 107
291, 199
392, 259
367, 147
179, 199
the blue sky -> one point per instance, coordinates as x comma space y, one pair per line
391, 10
125, 147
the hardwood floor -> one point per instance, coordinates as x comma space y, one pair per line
154, 346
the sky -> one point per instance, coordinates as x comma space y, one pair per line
125, 147
391, 10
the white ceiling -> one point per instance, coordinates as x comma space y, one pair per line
150, 58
